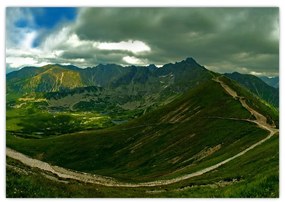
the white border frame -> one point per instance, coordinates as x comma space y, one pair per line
132, 3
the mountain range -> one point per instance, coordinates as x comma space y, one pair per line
132, 87
182, 129
117, 87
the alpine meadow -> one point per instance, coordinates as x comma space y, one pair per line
142, 102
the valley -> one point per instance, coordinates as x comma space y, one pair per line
84, 177
185, 133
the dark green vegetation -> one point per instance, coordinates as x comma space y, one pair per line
270, 112
171, 121
25, 123
258, 87
178, 136
257, 176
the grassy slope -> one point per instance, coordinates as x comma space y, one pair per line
257, 86
258, 179
26, 122
47, 78
271, 113
157, 144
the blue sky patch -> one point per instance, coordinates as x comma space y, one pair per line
21, 23
48, 17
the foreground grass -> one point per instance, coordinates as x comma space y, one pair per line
254, 175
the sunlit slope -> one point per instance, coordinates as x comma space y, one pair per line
194, 131
49, 78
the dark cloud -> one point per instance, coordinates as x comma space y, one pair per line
222, 39
94, 57
228, 39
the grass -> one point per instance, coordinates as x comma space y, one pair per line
159, 145
271, 113
257, 87
253, 180
30, 118
156, 144
257, 175
34, 123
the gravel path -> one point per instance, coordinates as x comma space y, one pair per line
111, 182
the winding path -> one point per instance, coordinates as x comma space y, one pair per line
261, 121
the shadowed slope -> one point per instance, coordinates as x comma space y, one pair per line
199, 129
258, 87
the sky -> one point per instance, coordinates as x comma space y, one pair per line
245, 40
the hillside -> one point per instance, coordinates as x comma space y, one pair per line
258, 87
200, 127
251, 180
174, 138
49, 78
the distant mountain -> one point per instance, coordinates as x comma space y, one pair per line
272, 81
120, 88
24, 73
49, 78
9, 69
129, 87
257, 86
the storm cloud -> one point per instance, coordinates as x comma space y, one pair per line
222, 39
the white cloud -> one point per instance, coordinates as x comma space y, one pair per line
68, 44
62, 40
133, 60
15, 62
28, 40
132, 46
74, 41
16, 35
50, 50
55, 39
256, 73
78, 60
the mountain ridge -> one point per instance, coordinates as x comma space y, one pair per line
257, 86
272, 81
170, 128
127, 87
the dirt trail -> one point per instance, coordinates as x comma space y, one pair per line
260, 119
111, 182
